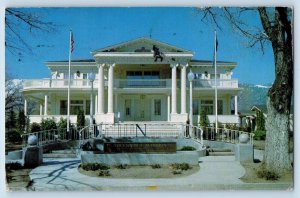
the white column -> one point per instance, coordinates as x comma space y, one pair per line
96, 104
41, 109
168, 107
46, 105
100, 89
110, 94
174, 86
91, 103
183, 89
235, 105
116, 102
25, 107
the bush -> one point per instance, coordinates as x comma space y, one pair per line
94, 166
35, 127
231, 126
62, 123
266, 174
122, 166
155, 166
203, 119
80, 119
48, 124
183, 166
260, 135
187, 148
21, 121
14, 136
260, 121
104, 173
176, 172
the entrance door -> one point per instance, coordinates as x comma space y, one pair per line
140, 114
136, 108
128, 111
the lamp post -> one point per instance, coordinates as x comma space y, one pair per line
191, 77
91, 78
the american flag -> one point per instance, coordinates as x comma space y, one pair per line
72, 43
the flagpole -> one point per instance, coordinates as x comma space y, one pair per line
69, 80
216, 92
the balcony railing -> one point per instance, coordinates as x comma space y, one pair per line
57, 83
142, 83
128, 83
210, 83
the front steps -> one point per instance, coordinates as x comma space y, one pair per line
61, 154
129, 129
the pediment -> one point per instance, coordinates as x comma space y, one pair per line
141, 45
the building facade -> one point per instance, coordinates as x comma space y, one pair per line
139, 80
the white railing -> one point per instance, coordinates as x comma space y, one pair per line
58, 83
155, 130
210, 83
127, 83
225, 135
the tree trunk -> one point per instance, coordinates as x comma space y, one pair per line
279, 97
277, 141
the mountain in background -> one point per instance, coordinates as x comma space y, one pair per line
252, 95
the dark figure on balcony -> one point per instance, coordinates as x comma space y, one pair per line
157, 54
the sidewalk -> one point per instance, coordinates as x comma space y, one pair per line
216, 173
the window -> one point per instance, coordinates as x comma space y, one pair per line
195, 107
63, 107
127, 107
139, 76
220, 107
157, 107
75, 107
207, 106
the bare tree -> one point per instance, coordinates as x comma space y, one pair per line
275, 29
13, 97
19, 20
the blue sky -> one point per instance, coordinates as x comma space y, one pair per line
95, 28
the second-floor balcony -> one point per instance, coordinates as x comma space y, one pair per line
127, 83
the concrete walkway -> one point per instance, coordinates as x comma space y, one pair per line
216, 173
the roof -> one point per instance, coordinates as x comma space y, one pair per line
113, 48
209, 63
74, 61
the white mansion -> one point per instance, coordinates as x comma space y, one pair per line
132, 85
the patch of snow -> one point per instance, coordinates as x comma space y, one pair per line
262, 86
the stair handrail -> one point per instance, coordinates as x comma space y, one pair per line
49, 136
226, 135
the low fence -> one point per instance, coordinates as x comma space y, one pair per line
119, 130
51, 136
